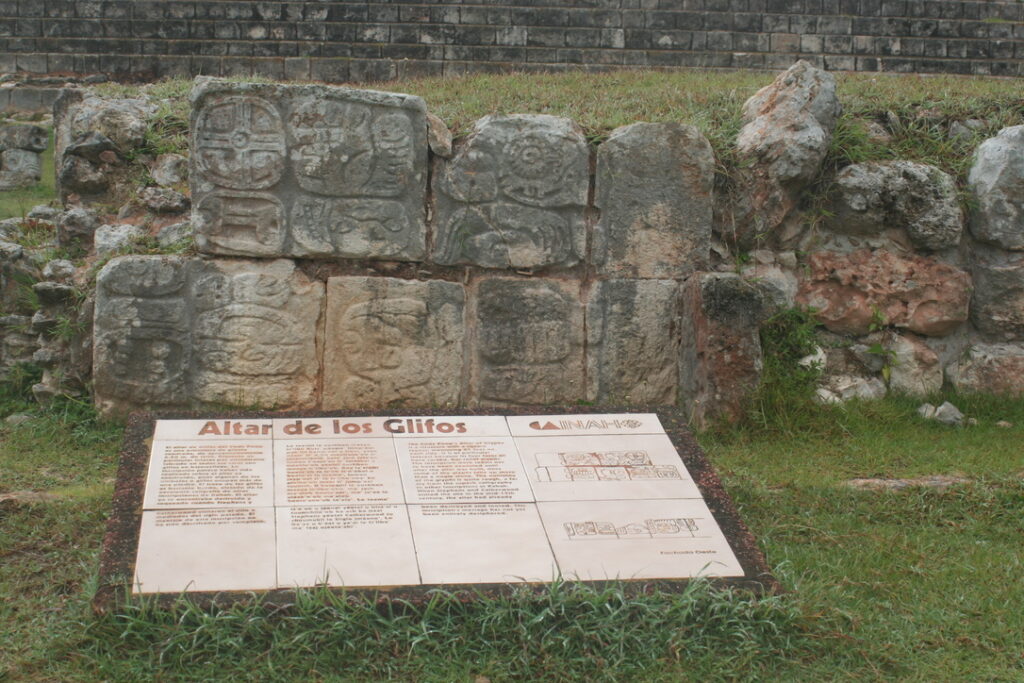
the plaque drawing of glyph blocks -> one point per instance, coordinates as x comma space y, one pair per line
514, 195
528, 347
654, 189
392, 342
176, 332
288, 170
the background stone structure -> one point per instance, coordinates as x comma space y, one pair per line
349, 41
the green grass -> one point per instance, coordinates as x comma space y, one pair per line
16, 203
910, 585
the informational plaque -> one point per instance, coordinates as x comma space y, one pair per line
401, 501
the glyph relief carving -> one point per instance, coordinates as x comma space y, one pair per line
392, 342
514, 194
308, 171
678, 527
529, 342
601, 466
177, 332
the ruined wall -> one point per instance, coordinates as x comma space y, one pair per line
345, 41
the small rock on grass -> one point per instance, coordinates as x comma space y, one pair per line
947, 414
934, 482
1004, 424
17, 419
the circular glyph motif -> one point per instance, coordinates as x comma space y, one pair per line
240, 143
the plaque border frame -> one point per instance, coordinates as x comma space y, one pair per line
120, 543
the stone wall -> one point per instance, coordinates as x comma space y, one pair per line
343, 41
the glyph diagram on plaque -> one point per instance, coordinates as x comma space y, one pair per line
308, 171
514, 194
601, 466
679, 527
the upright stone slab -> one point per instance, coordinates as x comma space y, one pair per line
997, 180
308, 170
514, 195
997, 302
528, 342
633, 342
392, 342
654, 189
174, 332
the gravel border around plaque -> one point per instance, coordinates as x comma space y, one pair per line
117, 561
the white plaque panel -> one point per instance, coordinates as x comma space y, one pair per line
462, 470
605, 468
482, 543
637, 539
333, 471
348, 545
566, 425
224, 549
224, 473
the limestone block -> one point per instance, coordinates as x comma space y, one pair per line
915, 368
514, 194
633, 341
19, 168
392, 342
997, 305
528, 342
654, 189
24, 136
990, 369
997, 180
308, 170
180, 332
851, 293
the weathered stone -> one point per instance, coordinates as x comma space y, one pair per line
915, 369
654, 187
110, 238
308, 171
780, 285
76, 227
19, 168
393, 342
926, 411
53, 293
92, 146
24, 136
842, 388
44, 212
439, 137
123, 121
918, 198
81, 176
948, 414
174, 233
997, 180
997, 305
514, 194
857, 292
787, 130
59, 270
633, 342
163, 200
178, 332
169, 169
933, 482
990, 369
529, 343
720, 358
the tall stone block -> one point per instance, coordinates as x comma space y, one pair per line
308, 170
391, 342
633, 341
997, 302
654, 189
528, 342
514, 195
181, 332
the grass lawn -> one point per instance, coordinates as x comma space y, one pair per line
917, 584
16, 203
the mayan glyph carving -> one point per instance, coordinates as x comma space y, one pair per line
529, 345
308, 171
182, 332
392, 342
514, 195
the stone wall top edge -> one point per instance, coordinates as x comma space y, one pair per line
206, 86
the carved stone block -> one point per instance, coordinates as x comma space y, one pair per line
514, 195
529, 342
308, 170
633, 342
391, 342
654, 189
182, 332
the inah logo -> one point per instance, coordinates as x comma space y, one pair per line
586, 424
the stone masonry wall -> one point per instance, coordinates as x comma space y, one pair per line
349, 41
